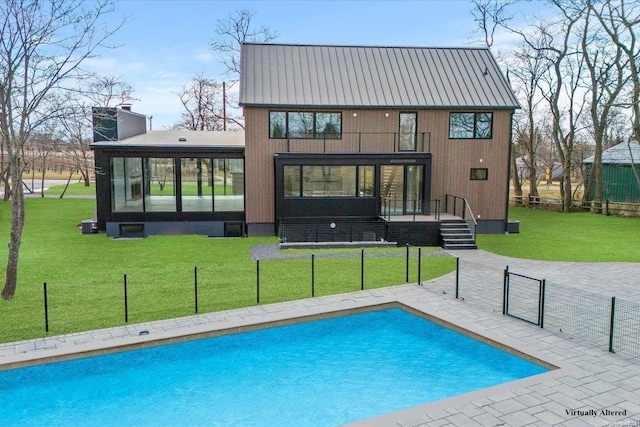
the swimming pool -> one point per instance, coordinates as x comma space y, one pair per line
318, 373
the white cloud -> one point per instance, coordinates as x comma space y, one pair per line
205, 57
102, 65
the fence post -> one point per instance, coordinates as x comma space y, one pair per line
543, 287
419, 265
313, 275
457, 276
406, 275
362, 269
505, 290
195, 286
126, 304
257, 281
613, 310
46, 308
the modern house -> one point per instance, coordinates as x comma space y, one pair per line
350, 143
620, 172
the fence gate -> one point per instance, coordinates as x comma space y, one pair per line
523, 298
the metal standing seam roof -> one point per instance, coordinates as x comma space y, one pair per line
371, 76
625, 153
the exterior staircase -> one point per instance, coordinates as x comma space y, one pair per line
455, 234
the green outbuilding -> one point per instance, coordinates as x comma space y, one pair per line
620, 172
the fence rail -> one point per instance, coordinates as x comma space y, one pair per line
606, 322
605, 207
313, 277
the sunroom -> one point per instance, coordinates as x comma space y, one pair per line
171, 182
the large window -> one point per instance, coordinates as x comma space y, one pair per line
160, 189
126, 184
470, 125
151, 184
228, 178
328, 181
197, 183
305, 125
292, 181
366, 181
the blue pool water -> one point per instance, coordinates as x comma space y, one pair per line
320, 373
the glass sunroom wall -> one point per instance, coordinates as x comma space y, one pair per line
329, 181
160, 185
228, 185
196, 185
126, 184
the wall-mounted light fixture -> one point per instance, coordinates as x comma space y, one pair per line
355, 114
386, 114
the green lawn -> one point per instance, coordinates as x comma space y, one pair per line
84, 273
556, 236
74, 189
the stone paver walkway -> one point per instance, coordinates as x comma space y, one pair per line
592, 387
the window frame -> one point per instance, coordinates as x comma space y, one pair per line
479, 174
414, 134
300, 182
315, 132
477, 119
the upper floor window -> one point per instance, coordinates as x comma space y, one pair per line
470, 125
407, 131
305, 125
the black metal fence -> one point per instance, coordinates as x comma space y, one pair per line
125, 302
604, 321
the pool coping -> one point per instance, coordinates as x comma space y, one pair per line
442, 309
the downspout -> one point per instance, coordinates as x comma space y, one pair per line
506, 208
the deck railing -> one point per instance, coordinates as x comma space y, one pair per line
362, 142
395, 206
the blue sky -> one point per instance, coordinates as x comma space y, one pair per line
163, 44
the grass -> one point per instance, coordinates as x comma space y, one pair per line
74, 189
84, 274
556, 236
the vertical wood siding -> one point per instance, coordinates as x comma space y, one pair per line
451, 164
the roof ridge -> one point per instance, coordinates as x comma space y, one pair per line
351, 46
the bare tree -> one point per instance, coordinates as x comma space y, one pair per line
490, 15
77, 120
605, 64
621, 20
42, 45
201, 98
231, 33
561, 88
107, 91
526, 72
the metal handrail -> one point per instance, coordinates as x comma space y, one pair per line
466, 209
